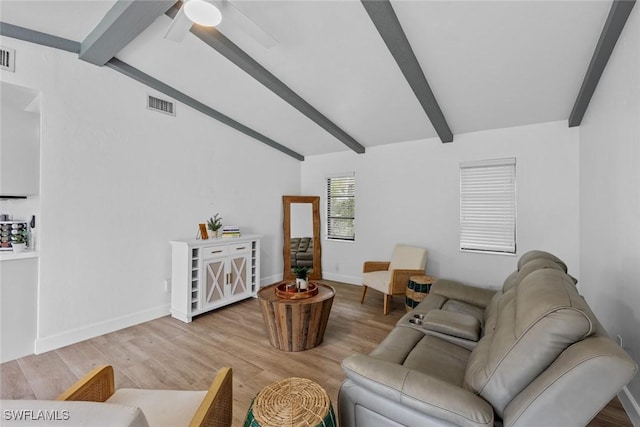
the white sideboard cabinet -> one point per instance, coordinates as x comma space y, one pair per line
207, 274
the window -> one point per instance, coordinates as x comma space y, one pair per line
341, 207
488, 205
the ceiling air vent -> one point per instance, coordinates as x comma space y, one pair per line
7, 59
161, 105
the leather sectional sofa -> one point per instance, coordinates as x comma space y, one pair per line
302, 252
530, 354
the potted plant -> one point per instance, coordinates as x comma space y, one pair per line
214, 224
19, 241
301, 277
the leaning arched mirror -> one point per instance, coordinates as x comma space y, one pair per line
302, 235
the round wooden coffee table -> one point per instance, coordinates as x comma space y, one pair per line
296, 324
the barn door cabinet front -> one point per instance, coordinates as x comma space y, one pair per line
207, 274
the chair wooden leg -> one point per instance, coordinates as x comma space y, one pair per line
387, 300
364, 292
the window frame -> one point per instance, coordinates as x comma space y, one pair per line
335, 237
492, 228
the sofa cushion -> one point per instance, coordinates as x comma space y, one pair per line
535, 321
397, 345
528, 268
457, 291
162, 408
441, 402
508, 282
306, 256
576, 385
305, 243
438, 358
451, 323
531, 255
461, 307
301, 252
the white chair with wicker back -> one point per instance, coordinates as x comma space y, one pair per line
93, 401
391, 277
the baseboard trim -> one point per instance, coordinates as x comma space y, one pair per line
630, 405
76, 335
351, 280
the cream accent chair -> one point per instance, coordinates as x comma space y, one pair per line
94, 402
391, 277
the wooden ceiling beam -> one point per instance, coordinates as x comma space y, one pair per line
233, 53
123, 23
43, 39
616, 20
156, 84
386, 22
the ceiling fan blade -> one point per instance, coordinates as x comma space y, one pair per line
234, 19
179, 27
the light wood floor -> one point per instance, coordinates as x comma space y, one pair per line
166, 353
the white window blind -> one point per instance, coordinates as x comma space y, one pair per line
341, 202
488, 205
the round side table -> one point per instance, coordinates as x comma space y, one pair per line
291, 402
296, 324
417, 289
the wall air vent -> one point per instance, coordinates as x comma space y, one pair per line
161, 105
7, 59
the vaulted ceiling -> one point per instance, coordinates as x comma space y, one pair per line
489, 64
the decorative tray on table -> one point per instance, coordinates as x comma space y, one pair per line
288, 290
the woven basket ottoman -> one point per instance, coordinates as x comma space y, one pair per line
291, 402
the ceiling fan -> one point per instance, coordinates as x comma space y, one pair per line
222, 14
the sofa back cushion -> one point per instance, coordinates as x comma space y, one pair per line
491, 313
535, 321
531, 255
306, 243
528, 268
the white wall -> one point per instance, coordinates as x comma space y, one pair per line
18, 316
119, 181
409, 193
610, 196
20, 135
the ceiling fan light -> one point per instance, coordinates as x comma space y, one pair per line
202, 13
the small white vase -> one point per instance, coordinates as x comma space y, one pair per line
213, 234
19, 247
302, 284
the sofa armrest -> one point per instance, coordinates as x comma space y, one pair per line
97, 386
375, 266
400, 279
473, 295
419, 391
452, 323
